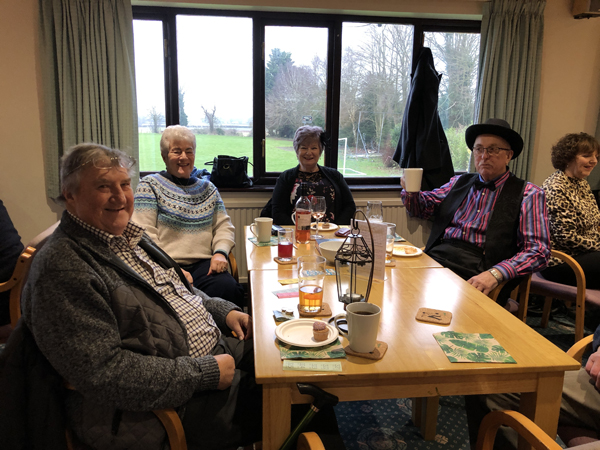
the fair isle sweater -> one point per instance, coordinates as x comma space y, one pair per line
185, 217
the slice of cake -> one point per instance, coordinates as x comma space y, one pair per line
320, 331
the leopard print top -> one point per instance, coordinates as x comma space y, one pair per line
573, 215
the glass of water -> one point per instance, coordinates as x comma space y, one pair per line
389, 242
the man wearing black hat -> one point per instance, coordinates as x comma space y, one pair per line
490, 226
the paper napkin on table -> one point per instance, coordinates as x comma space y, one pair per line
287, 293
472, 347
334, 350
264, 244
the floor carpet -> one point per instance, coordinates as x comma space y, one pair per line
387, 424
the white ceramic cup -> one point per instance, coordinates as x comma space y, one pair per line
261, 228
412, 179
363, 324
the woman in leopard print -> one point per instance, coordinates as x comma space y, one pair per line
572, 209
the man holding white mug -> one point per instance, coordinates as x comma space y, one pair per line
490, 226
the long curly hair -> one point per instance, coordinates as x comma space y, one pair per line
571, 145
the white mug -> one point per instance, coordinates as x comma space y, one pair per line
412, 179
363, 324
262, 225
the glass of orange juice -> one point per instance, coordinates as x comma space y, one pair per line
311, 278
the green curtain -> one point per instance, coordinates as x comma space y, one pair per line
88, 78
510, 64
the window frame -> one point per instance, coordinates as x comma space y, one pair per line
261, 19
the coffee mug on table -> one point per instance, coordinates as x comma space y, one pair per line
412, 179
261, 228
363, 324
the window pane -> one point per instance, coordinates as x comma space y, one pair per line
214, 57
456, 56
375, 81
150, 90
295, 89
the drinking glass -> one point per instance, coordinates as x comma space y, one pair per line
311, 278
317, 209
389, 242
285, 244
375, 211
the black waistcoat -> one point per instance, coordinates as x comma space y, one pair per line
501, 234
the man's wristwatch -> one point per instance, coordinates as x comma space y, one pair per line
497, 275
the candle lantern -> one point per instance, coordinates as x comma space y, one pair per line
354, 266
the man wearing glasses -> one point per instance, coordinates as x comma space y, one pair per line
490, 226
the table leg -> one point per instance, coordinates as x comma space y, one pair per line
543, 406
424, 415
277, 413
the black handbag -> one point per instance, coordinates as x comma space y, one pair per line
230, 171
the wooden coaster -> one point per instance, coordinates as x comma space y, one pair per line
434, 316
390, 264
294, 260
377, 353
325, 312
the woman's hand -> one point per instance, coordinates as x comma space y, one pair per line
218, 264
240, 323
188, 276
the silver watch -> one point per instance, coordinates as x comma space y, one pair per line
497, 275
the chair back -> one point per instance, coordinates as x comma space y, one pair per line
22, 271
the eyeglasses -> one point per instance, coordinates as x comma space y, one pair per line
492, 150
103, 163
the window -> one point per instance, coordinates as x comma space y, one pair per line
245, 81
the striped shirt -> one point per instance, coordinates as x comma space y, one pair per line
203, 333
471, 220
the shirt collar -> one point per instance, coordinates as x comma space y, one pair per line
500, 180
132, 234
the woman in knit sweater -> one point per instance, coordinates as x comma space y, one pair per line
186, 217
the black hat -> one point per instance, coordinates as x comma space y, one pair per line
497, 127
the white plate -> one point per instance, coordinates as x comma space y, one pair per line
400, 250
332, 226
299, 332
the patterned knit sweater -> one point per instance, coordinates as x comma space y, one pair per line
185, 217
573, 215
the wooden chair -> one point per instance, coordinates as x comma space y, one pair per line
16, 283
424, 410
524, 426
577, 294
233, 268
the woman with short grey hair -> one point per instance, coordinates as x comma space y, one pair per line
309, 143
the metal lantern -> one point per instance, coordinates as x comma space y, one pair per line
354, 266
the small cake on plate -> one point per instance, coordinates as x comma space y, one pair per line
320, 331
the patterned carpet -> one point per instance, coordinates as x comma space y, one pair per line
387, 424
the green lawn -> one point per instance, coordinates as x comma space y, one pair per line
279, 152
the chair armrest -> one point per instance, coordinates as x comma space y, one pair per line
310, 441
576, 351
233, 267
533, 434
579, 275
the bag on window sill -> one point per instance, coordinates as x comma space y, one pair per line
230, 171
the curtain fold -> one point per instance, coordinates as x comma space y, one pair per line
510, 64
88, 79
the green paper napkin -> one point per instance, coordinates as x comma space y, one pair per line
264, 244
330, 351
475, 347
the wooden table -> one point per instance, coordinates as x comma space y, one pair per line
261, 258
414, 365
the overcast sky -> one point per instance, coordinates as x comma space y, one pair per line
215, 62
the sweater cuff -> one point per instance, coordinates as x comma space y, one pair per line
222, 252
210, 373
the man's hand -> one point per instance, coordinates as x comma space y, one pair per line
484, 282
218, 264
226, 370
188, 276
593, 368
240, 323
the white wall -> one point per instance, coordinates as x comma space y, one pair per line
570, 88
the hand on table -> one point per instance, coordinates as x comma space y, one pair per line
240, 323
483, 282
593, 368
218, 264
226, 370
